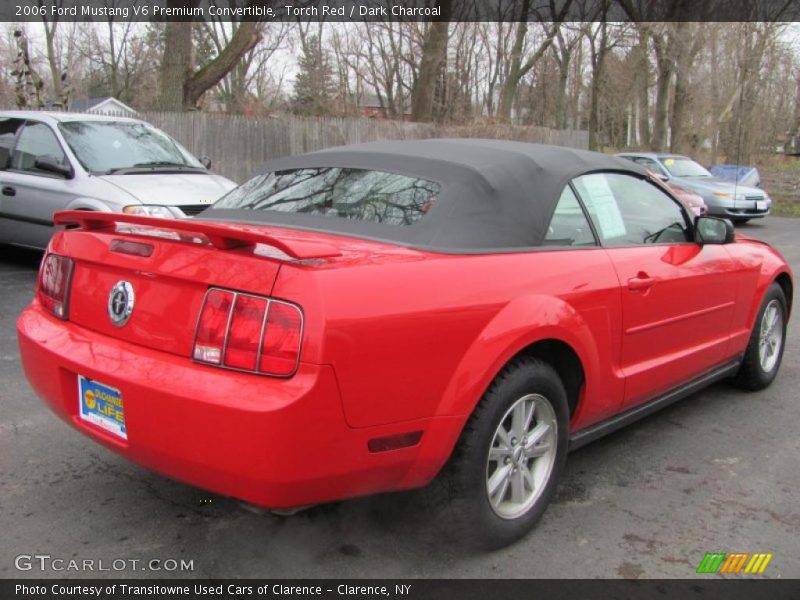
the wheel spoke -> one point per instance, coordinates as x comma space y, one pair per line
518, 420
499, 453
498, 478
502, 436
773, 319
500, 495
537, 435
528, 477
518, 487
538, 450
529, 416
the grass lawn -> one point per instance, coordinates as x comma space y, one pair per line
781, 180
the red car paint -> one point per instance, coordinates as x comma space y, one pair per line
398, 344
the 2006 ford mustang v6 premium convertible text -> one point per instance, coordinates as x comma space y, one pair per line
373, 317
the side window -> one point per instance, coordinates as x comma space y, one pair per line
8, 133
569, 226
627, 210
649, 163
36, 140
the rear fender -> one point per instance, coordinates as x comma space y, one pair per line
519, 324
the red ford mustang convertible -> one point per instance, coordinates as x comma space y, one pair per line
374, 317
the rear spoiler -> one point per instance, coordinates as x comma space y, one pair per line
224, 236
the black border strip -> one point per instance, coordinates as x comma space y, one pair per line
361, 11
707, 587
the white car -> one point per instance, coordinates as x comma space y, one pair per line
53, 161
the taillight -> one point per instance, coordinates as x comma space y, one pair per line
248, 333
281, 345
209, 340
55, 274
244, 334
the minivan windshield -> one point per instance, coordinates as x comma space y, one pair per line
346, 193
680, 166
113, 146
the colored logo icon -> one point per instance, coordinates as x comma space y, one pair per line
735, 562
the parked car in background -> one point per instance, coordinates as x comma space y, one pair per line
57, 161
368, 318
723, 198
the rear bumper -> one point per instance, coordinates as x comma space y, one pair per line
271, 442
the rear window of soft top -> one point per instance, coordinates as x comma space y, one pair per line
345, 193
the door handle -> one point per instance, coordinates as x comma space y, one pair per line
641, 282
9, 191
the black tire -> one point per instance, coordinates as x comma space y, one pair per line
740, 221
468, 513
751, 375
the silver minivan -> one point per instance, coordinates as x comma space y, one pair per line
68, 161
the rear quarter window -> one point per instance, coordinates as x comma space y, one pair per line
343, 193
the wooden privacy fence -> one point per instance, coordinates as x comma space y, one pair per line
238, 146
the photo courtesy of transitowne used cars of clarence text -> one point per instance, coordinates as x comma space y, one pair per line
459, 313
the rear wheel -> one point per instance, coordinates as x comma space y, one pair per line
504, 469
764, 352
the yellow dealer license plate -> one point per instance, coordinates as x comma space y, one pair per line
101, 405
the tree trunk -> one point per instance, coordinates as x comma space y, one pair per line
246, 37
52, 61
176, 64
688, 43
561, 96
181, 89
434, 56
663, 88
509, 88
642, 87
598, 62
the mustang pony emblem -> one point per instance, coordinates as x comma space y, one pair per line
120, 303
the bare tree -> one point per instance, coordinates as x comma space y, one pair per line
521, 62
182, 85
29, 84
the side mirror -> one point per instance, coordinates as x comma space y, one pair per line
51, 165
205, 161
711, 230
662, 177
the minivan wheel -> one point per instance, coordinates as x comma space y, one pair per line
762, 358
505, 467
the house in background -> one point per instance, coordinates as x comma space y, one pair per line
369, 105
107, 105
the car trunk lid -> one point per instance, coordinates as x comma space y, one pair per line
170, 265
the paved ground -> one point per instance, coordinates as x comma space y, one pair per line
716, 472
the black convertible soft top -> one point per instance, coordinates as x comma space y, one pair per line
496, 196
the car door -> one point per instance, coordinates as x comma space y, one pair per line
9, 128
677, 295
30, 194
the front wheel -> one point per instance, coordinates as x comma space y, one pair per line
504, 470
762, 358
